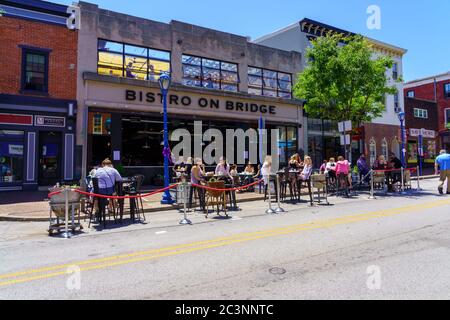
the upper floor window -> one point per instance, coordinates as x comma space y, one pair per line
269, 83
396, 102
410, 94
35, 70
124, 60
420, 113
447, 118
447, 90
208, 73
395, 71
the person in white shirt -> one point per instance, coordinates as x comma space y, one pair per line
223, 168
107, 177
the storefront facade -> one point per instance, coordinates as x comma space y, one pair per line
218, 79
422, 122
37, 95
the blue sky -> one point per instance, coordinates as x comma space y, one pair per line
420, 26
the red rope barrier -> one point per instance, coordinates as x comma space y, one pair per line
125, 197
226, 189
116, 197
392, 170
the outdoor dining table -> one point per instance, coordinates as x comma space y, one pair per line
124, 188
228, 185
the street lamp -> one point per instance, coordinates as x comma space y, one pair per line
164, 84
401, 117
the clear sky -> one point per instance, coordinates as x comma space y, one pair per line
420, 26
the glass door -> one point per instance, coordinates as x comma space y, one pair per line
50, 145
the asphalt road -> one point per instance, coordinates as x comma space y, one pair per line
389, 248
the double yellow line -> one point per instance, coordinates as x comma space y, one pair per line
117, 260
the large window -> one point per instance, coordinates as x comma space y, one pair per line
447, 90
11, 156
420, 113
208, 73
447, 118
395, 71
35, 70
287, 143
124, 60
269, 83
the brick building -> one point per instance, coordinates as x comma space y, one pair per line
421, 119
38, 86
435, 88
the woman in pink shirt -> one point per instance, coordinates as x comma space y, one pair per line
342, 172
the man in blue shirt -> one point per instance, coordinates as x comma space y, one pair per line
443, 165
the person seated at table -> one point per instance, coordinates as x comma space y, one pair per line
107, 177
197, 178
233, 170
223, 168
330, 171
179, 167
307, 169
295, 162
249, 169
380, 163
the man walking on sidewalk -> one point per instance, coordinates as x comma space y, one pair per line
442, 164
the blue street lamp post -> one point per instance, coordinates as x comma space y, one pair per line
401, 117
164, 84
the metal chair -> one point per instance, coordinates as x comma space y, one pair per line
216, 197
139, 181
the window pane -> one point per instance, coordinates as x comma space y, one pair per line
269, 93
136, 51
254, 81
269, 74
211, 84
34, 81
212, 74
158, 54
230, 77
110, 63
229, 87
191, 71
284, 85
211, 63
110, 46
255, 91
284, 76
191, 60
229, 66
136, 68
157, 67
192, 82
255, 71
11, 161
285, 95
270, 83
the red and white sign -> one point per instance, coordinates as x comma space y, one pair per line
17, 119
431, 134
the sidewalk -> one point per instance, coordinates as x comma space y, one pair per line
33, 206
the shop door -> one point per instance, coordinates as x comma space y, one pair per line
50, 145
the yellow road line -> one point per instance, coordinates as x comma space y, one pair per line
208, 244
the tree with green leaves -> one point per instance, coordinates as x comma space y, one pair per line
344, 80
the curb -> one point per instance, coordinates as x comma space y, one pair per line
148, 210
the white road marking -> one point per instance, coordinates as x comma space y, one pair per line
160, 232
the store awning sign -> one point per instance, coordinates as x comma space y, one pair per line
17, 119
430, 134
8, 149
46, 121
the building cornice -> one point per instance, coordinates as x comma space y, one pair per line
92, 76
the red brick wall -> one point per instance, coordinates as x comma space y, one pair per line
379, 132
63, 43
426, 92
